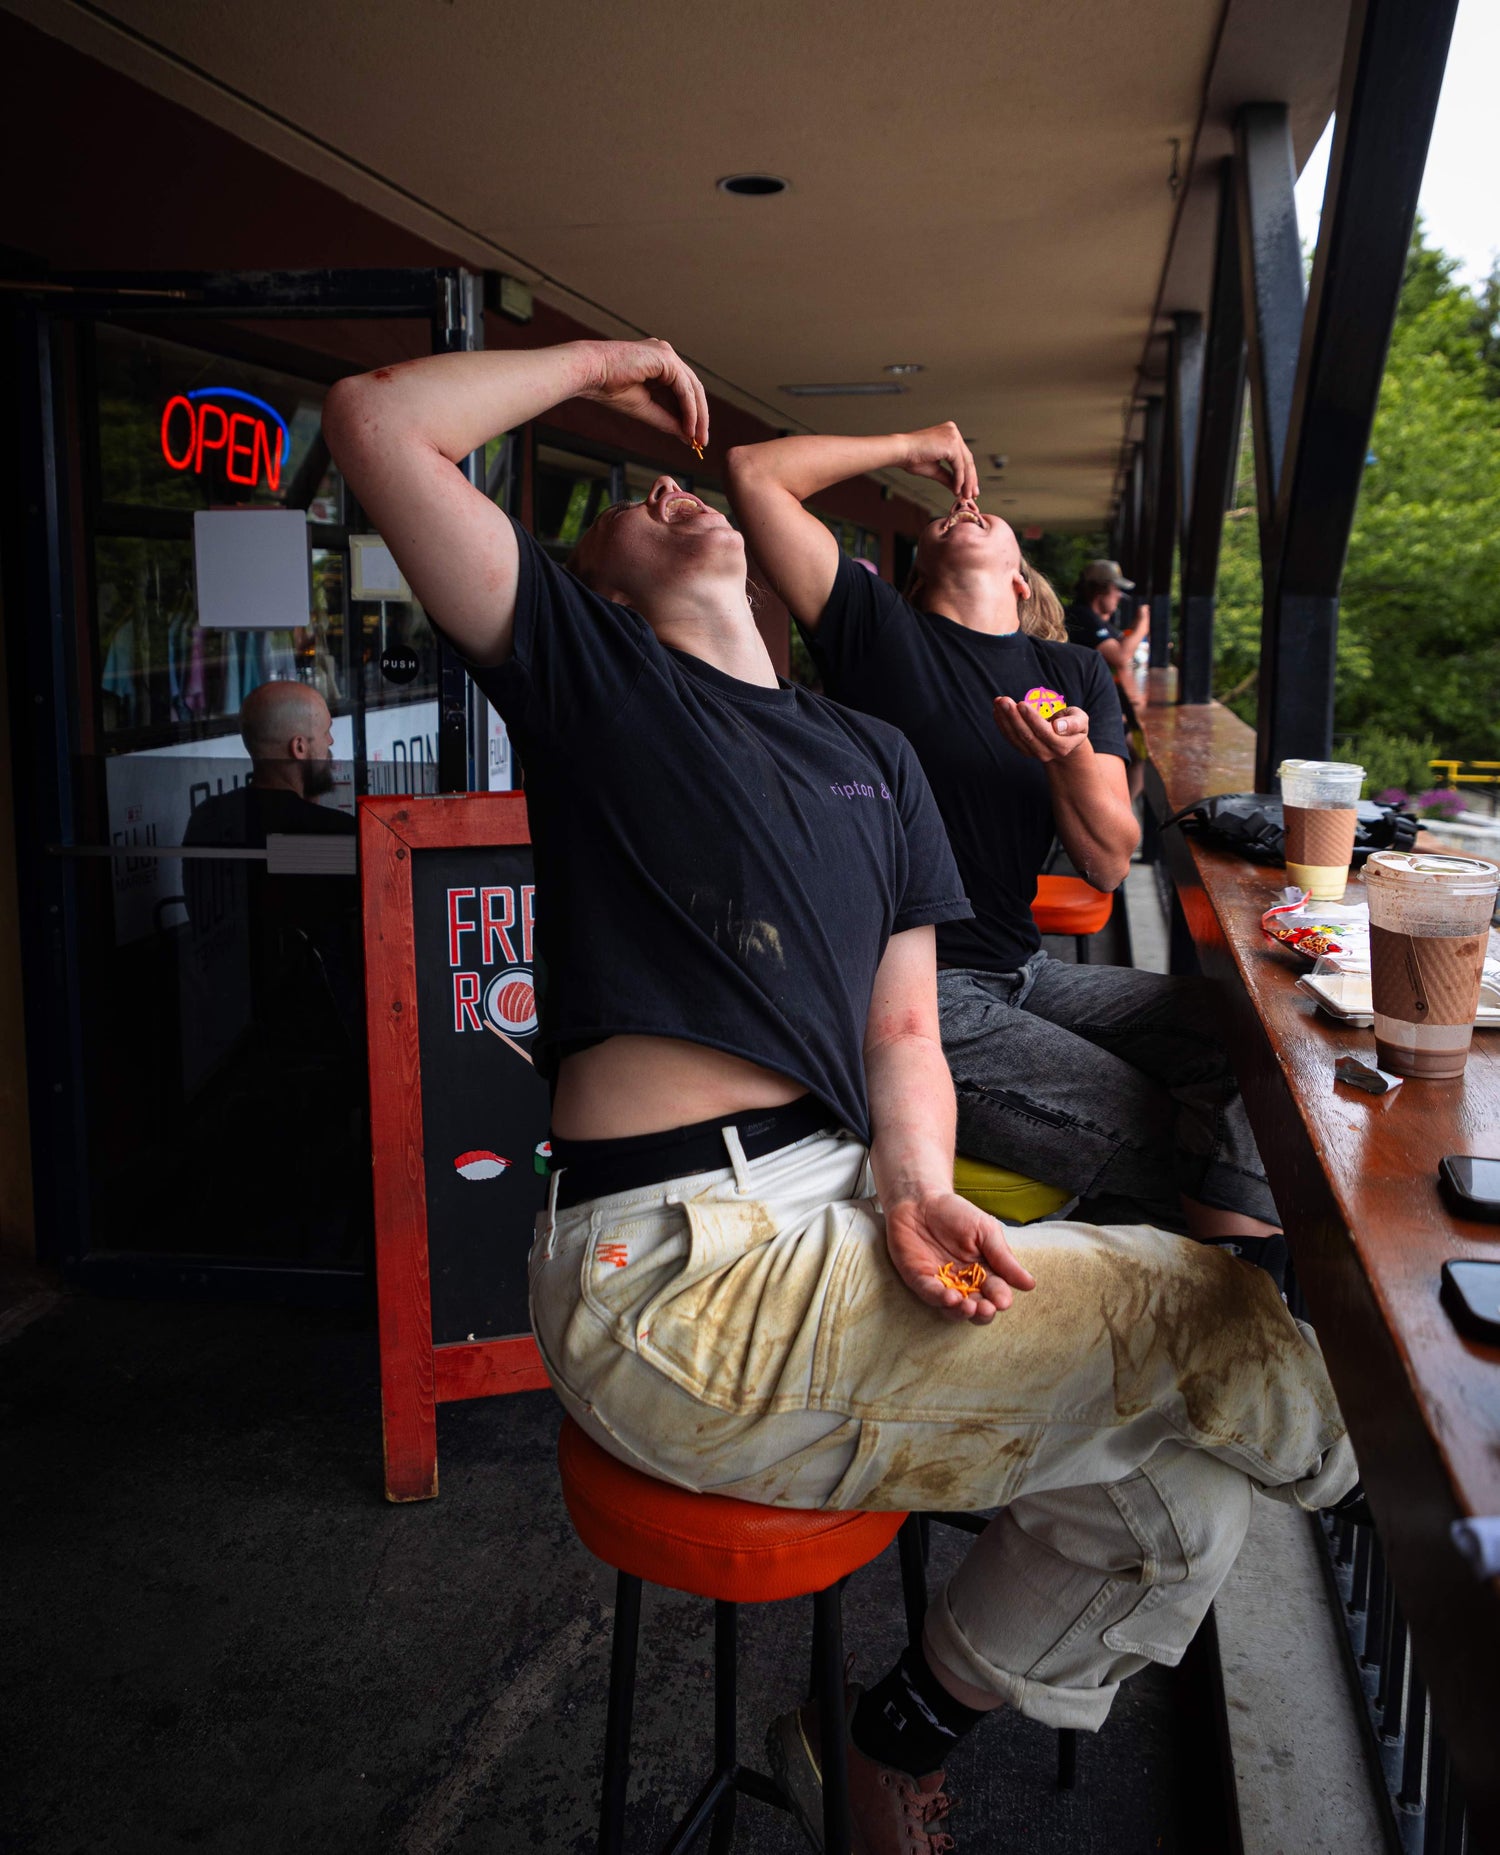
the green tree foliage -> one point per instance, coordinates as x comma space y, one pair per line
1419, 631
1063, 557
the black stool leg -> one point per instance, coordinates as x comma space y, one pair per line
828, 1640
913, 1576
617, 1720
726, 1754
1081, 949
1067, 1757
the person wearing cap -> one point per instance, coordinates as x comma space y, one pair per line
1091, 618
1091, 622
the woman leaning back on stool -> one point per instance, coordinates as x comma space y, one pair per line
1107, 1081
735, 1284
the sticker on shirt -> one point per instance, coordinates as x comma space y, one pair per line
1046, 702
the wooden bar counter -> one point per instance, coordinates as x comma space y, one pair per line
1355, 1178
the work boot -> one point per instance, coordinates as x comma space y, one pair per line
891, 1812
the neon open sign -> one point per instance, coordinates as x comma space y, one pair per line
252, 446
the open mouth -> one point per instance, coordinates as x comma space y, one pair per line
681, 507
962, 515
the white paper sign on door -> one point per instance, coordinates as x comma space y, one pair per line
253, 569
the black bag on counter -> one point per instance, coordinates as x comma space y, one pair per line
1251, 824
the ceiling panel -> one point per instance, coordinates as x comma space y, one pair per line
986, 193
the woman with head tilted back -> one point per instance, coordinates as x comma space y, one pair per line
1109, 1082
737, 888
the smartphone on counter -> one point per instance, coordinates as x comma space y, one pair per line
1471, 1294
1471, 1185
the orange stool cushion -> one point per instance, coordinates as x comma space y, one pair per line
709, 1544
1069, 905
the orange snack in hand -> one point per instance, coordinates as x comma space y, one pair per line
965, 1277
698, 450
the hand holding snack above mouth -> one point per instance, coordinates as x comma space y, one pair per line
649, 381
940, 454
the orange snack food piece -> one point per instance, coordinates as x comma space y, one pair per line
965, 1277
698, 450
1046, 702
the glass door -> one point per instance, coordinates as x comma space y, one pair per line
195, 994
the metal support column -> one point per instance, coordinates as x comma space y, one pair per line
1152, 510
1135, 493
458, 327
1394, 59
1220, 410
1271, 282
1185, 401
1164, 521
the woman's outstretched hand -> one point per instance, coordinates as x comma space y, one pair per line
1045, 738
922, 1234
647, 380
941, 454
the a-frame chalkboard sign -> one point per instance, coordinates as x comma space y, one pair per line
457, 1110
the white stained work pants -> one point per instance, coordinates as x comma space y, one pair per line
743, 1331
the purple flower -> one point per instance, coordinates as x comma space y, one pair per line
1441, 802
1393, 795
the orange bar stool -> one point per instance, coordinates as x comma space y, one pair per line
1069, 905
736, 1552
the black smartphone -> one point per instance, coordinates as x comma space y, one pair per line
1472, 1185
1471, 1294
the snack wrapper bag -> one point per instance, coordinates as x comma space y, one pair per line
1334, 936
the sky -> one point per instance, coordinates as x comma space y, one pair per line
1460, 200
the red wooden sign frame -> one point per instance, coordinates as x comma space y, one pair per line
416, 1375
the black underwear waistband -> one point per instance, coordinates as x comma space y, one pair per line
595, 1168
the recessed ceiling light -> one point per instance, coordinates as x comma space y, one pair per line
999, 460
904, 367
848, 388
752, 186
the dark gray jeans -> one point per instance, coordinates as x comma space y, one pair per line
1110, 1082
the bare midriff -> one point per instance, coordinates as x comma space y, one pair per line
644, 1085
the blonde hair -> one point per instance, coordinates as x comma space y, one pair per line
1040, 612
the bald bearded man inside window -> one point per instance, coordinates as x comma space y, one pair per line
288, 734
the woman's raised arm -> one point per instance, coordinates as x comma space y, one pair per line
768, 484
398, 435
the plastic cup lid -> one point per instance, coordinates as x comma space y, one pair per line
1435, 866
1319, 769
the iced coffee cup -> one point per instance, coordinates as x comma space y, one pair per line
1429, 932
1318, 800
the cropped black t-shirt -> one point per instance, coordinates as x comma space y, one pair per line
714, 861
936, 681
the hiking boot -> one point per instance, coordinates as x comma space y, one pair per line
890, 1812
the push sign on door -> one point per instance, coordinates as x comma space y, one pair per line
399, 666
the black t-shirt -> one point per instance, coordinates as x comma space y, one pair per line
245, 816
241, 820
936, 680
242, 897
1085, 626
715, 861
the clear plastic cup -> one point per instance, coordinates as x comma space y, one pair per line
1429, 933
1318, 800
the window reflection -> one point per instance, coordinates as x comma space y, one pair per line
163, 676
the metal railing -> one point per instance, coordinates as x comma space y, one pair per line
1424, 1806
1486, 773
